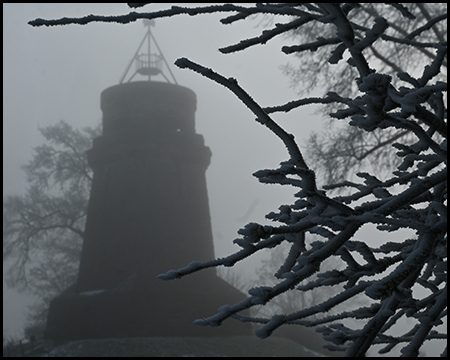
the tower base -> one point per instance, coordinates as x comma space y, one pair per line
168, 308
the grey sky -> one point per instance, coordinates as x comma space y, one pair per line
58, 73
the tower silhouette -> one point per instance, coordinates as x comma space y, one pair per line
148, 212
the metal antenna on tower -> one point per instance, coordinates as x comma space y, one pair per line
148, 64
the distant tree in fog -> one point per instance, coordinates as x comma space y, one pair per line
43, 229
412, 196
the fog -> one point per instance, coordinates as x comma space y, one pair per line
58, 73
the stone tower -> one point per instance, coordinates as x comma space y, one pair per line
148, 213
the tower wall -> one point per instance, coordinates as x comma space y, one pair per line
148, 204
148, 213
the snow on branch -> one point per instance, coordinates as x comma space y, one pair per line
133, 16
380, 106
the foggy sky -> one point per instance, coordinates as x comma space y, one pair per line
58, 73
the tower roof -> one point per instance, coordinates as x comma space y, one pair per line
148, 63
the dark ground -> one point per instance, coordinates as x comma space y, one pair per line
238, 346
